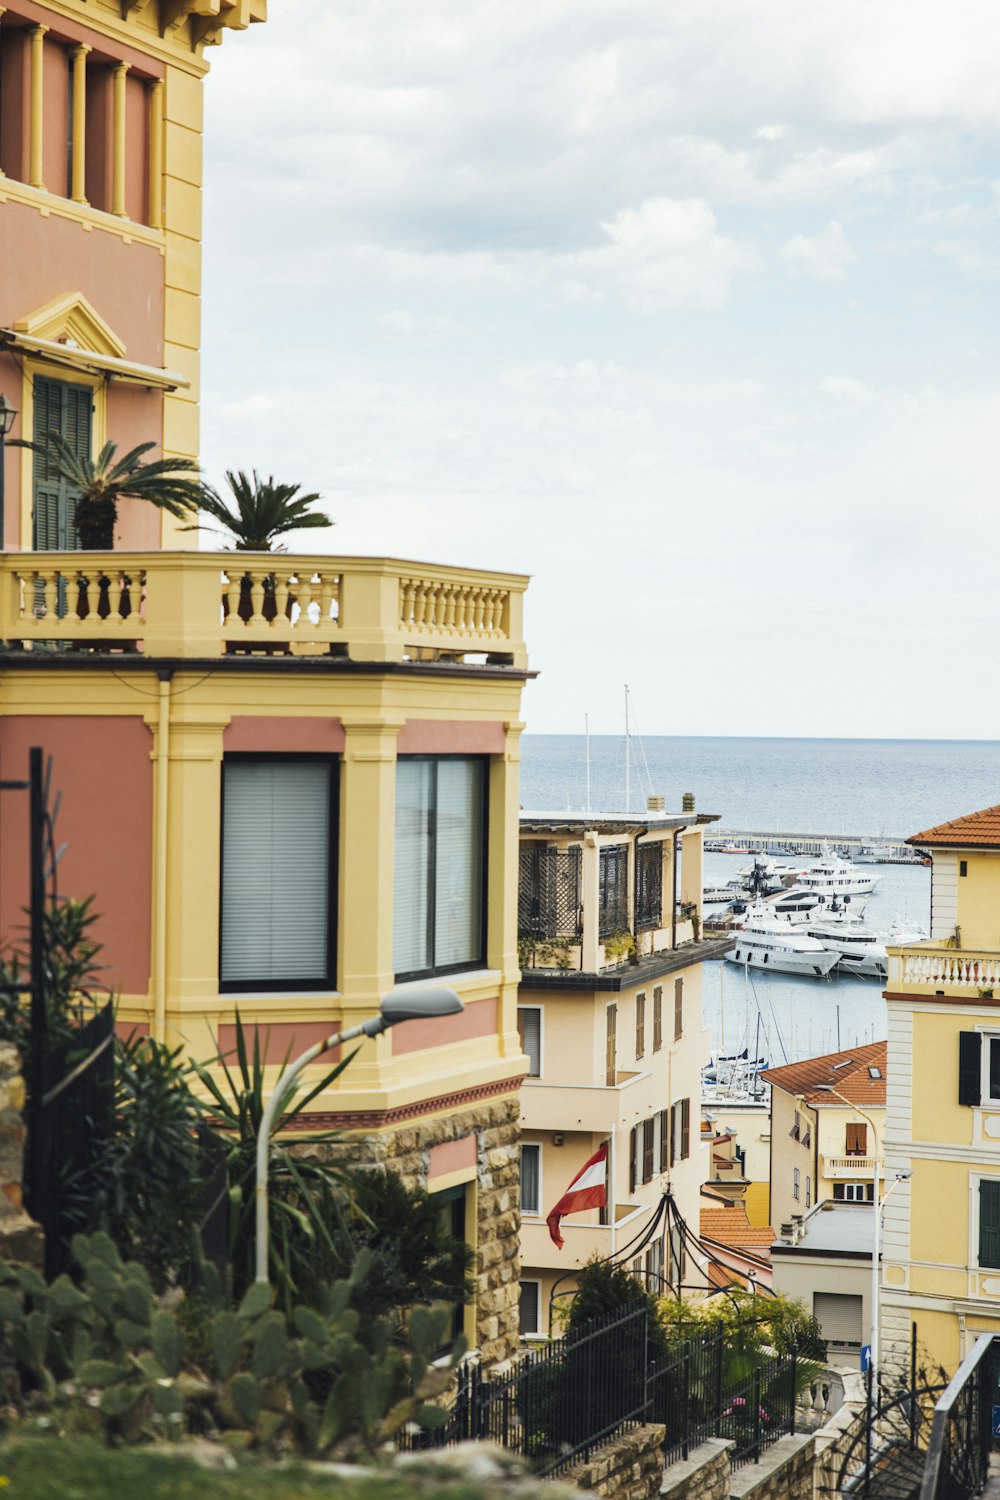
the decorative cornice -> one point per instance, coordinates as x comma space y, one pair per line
380, 1119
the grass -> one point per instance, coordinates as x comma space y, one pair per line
36, 1468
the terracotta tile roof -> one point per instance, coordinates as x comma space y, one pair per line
730, 1226
722, 1276
846, 1071
978, 830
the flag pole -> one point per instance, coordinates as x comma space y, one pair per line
612, 1182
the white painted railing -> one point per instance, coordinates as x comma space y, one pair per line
848, 1166
926, 967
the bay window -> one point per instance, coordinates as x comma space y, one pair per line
440, 856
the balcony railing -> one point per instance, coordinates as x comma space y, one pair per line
938, 968
849, 1166
205, 604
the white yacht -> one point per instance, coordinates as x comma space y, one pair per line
766, 941
862, 949
831, 873
799, 902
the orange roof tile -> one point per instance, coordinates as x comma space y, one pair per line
722, 1276
847, 1072
978, 830
730, 1226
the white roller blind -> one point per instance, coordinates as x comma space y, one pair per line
275, 871
458, 906
411, 947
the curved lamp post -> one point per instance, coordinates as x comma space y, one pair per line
416, 1004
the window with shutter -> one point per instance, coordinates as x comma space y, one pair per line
678, 1009
989, 1221
969, 1066
633, 1158
647, 1150
664, 1139
67, 410
529, 1029
277, 876
857, 1139
440, 854
640, 1026
685, 1128
611, 1047
657, 1018
530, 1178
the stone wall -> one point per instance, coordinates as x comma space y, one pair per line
704, 1475
495, 1124
21, 1239
630, 1467
785, 1472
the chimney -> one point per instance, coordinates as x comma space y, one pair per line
655, 804
687, 802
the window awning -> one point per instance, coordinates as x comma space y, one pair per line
86, 360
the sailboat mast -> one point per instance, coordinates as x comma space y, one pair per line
628, 758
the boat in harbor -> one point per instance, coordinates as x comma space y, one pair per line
768, 941
831, 873
863, 949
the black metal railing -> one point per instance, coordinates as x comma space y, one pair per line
612, 891
549, 902
648, 886
566, 1398
958, 1453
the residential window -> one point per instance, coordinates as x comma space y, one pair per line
857, 1138
796, 1130
795, 1184
648, 886
647, 1150
67, 410
963, 868
611, 1047
680, 1130
685, 1128
529, 1029
657, 1018
277, 881
809, 1197
989, 1221
854, 1192
531, 1178
640, 1026
664, 1139
978, 1068
529, 1309
633, 1158
612, 890
438, 917
678, 1008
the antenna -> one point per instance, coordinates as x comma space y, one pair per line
628, 758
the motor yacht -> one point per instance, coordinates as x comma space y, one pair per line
862, 949
831, 873
798, 902
767, 941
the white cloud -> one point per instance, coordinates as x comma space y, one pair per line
403, 321
249, 406
825, 256
771, 132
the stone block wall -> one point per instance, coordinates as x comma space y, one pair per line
405, 1148
21, 1239
785, 1472
704, 1475
630, 1467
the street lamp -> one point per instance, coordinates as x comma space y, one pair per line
827, 1088
7, 415
414, 1004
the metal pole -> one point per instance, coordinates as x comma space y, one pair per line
3, 445
875, 1265
39, 1015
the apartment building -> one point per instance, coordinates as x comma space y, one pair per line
609, 1010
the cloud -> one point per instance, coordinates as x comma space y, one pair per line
771, 132
824, 257
248, 406
403, 321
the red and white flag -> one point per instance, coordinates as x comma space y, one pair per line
587, 1190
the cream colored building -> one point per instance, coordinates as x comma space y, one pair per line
824, 1145
941, 1255
609, 1011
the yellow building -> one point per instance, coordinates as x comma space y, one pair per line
610, 1015
941, 1257
827, 1129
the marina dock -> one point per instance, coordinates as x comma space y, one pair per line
758, 841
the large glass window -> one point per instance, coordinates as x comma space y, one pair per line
438, 922
276, 928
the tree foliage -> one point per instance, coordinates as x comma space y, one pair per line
260, 511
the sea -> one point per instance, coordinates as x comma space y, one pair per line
877, 789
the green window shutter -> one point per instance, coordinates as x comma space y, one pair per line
67, 410
989, 1222
969, 1067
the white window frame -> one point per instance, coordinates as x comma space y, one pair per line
533, 1213
988, 1037
541, 1039
539, 1333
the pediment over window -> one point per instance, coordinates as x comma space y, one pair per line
71, 320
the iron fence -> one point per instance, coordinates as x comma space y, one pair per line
549, 900
566, 1398
958, 1452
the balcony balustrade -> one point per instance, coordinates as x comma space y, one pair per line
205, 604
861, 1167
927, 967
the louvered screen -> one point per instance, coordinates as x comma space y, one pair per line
67, 410
276, 872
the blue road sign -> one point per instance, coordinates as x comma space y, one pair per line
996, 1421
866, 1356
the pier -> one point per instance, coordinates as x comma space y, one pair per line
758, 841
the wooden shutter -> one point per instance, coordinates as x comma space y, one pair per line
673, 1135
969, 1067
67, 410
685, 1128
678, 1009
664, 1139
647, 1150
633, 1158
611, 1050
657, 1018
989, 1222
857, 1139
640, 1026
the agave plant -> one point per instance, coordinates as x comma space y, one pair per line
171, 484
261, 511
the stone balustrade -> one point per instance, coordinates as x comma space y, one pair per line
927, 967
207, 604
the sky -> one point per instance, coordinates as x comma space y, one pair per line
687, 310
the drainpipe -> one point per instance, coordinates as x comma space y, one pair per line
675, 892
160, 858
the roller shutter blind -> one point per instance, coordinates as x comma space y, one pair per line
276, 872
839, 1316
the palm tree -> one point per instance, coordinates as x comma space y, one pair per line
264, 511
171, 484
